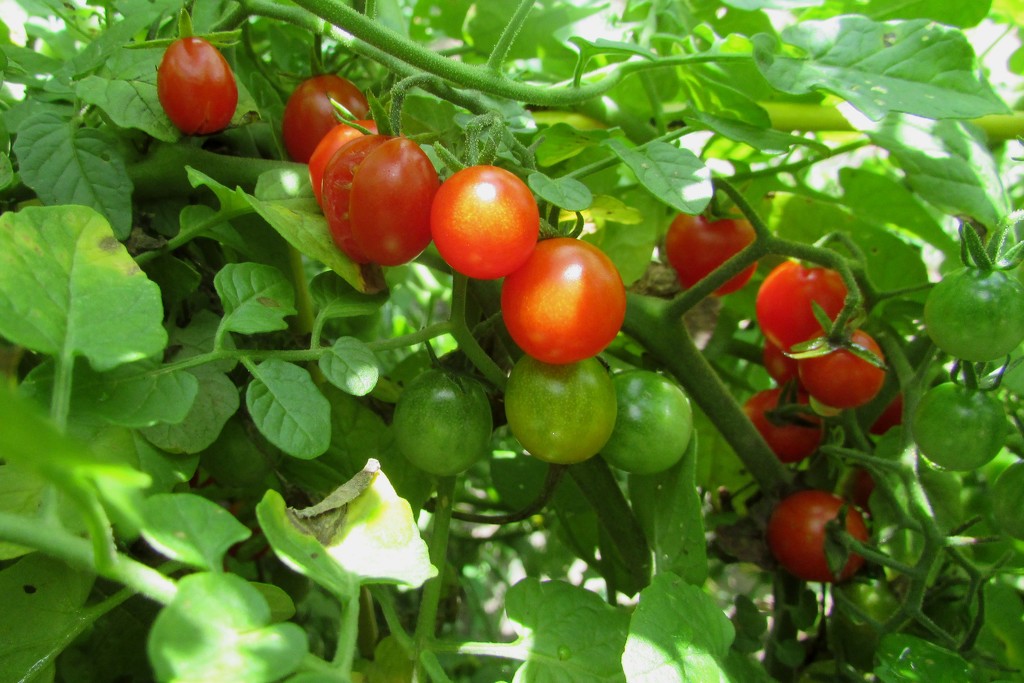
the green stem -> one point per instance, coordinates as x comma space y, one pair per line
797, 166
190, 233
60, 401
348, 635
303, 324
78, 552
382, 595
508, 36
517, 650
464, 336
426, 623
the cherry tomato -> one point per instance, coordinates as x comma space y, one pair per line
442, 422
377, 192
196, 87
566, 303
796, 534
334, 140
840, 379
783, 304
890, 417
791, 437
484, 221
560, 413
696, 246
976, 315
958, 428
309, 114
1008, 500
653, 424
780, 367
859, 486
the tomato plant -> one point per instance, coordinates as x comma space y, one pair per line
309, 114
976, 315
335, 139
958, 428
443, 422
196, 87
1008, 500
560, 413
377, 192
484, 221
779, 366
784, 302
695, 246
792, 435
653, 424
841, 379
565, 303
796, 534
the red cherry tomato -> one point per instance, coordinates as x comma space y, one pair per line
484, 221
796, 534
780, 367
309, 114
783, 304
890, 417
791, 438
566, 303
196, 87
859, 487
331, 143
840, 379
696, 246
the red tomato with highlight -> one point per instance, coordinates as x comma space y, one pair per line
334, 140
309, 114
840, 379
484, 222
196, 87
791, 437
784, 299
377, 192
566, 303
696, 246
796, 534
780, 367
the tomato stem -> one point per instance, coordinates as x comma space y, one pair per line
504, 43
438, 547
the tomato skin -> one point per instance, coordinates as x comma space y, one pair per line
696, 246
840, 379
779, 366
1008, 500
335, 139
783, 304
653, 423
566, 303
337, 191
309, 114
976, 315
791, 442
196, 87
891, 417
560, 413
485, 222
958, 428
796, 534
442, 422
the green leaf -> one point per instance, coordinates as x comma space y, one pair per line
21, 492
677, 633
301, 223
351, 366
602, 46
215, 402
754, 5
561, 141
134, 395
761, 138
256, 298
67, 164
569, 633
44, 608
566, 193
191, 529
668, 506
218, 628
289, 409
904, 658
917, 67
675, 176
948, 163
68, 287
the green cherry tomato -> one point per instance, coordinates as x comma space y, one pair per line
653, 423
976, 315
560, 413
1008, 500
443, 422
958, 428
